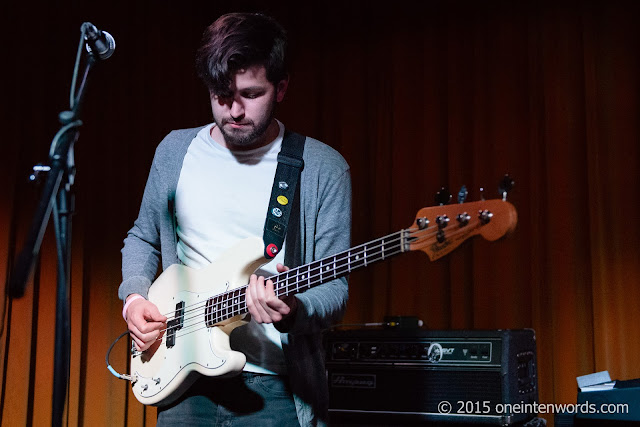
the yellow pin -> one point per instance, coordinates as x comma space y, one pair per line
282, 200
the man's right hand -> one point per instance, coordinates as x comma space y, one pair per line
145, 322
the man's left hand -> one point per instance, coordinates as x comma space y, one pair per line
262, 302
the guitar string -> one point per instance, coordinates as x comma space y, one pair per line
310, 276
311, 281
293, 275
230, 308
203, 325
351, 252
274, 278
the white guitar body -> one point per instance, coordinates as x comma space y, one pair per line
163, 372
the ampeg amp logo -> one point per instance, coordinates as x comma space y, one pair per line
353, 381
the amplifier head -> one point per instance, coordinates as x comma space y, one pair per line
408, 374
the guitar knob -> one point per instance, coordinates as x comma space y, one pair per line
442, 221
463, 218
422, 223
485, 216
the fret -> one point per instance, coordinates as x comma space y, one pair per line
313, 271
212, 308
307, 277
290, 281
357, 258
299, 279
284, 283
291, 284
334, 267
236, 301
224, 306
216, 308
343, 265
279, 283
349, 260
365, 254
207, 312
328, 268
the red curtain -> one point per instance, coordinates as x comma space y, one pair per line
416, 97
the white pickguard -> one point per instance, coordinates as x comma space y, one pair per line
161, 374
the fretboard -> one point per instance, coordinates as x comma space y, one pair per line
232, 303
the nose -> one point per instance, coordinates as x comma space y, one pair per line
236, 110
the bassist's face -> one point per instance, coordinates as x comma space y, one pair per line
245, 119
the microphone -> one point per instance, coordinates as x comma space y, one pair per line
99, 43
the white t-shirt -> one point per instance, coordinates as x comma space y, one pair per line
222, 197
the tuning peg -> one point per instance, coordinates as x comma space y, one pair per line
462, 194
505, 185
443, 196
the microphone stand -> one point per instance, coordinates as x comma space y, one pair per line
57, 198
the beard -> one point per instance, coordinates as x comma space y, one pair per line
251, 132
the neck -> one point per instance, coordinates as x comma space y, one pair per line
232, 303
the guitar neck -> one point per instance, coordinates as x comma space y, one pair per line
318, 272
304, 277
437, 231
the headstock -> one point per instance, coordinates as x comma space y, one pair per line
438, 230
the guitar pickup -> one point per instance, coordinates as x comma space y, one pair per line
175, 324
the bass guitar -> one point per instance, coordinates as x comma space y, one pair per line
205, 305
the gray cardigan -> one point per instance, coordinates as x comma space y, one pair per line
325, 227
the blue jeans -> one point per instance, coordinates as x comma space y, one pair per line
244, 400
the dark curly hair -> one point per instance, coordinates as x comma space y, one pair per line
236, 41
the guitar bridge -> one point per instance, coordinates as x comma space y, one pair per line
175, 324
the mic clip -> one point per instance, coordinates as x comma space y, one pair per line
100, 44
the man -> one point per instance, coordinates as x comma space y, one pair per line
209, 188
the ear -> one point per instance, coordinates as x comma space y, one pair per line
281, 89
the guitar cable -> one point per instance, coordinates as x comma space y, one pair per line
113, 371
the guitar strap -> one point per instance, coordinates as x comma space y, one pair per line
285, 196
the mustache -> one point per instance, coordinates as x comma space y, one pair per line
236, 122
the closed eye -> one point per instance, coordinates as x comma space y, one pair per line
253, 94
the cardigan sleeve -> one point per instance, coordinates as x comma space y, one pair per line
141, 251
